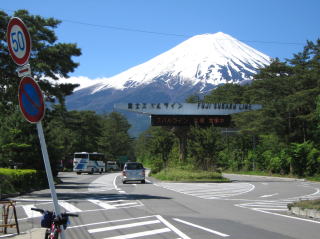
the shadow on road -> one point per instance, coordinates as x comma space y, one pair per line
97, 196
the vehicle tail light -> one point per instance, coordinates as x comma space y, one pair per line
143, 172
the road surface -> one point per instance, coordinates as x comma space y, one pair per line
250, 207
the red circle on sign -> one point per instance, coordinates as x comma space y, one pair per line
17, 22
31, 100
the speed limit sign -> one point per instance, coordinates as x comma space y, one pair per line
19, 41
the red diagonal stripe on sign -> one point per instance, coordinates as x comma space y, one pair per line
38, 107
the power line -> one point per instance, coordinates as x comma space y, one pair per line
171, 34
128, 29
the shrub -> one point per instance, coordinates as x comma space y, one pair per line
21, 180
299, 154
313, 162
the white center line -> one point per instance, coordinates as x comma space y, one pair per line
203, 228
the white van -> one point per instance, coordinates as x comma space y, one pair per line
111, 166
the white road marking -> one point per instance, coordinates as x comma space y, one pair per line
102, 204
173, 228
209, 190
103, 183
137, 224
68, 206
9, 235
140, 234
126, 204
114, 197
279, 205
283, 215
106, 222
114, 182
169, 227
202, 228
31, 200
270, 195
30, 213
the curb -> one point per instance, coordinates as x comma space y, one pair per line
312, 213
35, 233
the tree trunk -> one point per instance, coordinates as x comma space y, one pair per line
182, 135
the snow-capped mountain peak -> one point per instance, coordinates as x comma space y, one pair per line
207, 59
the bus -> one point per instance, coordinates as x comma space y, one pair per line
84, 162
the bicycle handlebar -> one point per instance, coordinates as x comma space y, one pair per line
62, 214
37, 209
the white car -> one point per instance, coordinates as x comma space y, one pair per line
133, 171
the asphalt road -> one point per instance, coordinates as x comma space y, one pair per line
250, 207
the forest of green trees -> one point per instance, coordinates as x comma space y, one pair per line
282, 138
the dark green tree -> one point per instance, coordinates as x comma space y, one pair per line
49, 59
114, 140
158, 142
204, 147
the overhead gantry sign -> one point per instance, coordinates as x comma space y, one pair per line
186, 114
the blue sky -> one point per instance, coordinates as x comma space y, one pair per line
115, 35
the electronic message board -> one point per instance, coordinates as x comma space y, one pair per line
191, 120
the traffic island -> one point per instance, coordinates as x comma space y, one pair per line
306, 208
305, 212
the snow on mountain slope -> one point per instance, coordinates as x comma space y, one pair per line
206, 59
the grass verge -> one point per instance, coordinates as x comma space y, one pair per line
314, 178
262, 173
173, 174
306, 204
259, 173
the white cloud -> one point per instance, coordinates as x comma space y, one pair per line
83, 81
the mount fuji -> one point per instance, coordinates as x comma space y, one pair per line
196, 66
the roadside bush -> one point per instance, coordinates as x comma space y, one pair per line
299, 154
313, 162
21, 180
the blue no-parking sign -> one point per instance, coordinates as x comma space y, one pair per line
31, 100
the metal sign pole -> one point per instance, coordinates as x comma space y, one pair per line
49, 172
20, 54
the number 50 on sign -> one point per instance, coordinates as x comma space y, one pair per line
19, 42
